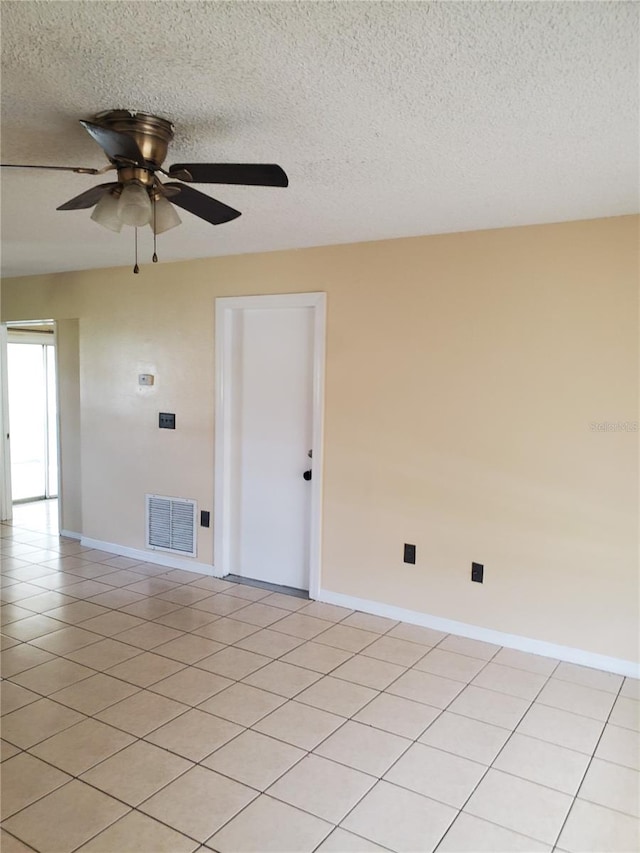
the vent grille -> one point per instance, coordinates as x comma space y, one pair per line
171, 525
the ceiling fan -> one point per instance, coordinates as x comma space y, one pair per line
136, 146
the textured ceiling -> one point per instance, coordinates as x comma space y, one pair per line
391, 118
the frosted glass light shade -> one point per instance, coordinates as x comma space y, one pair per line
134, 206
105, 213
166, 216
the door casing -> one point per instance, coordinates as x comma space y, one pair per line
6, 503
224, 503
6, 498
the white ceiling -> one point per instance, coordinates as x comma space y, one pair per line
391, 118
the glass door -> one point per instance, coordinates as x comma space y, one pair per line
33, 420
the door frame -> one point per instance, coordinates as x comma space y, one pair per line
225, 306
6, 502
6, 497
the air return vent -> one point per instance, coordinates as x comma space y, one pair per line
171, 525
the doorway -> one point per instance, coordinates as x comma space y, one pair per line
33, 413
269, 412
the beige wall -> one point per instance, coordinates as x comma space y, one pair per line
463, 374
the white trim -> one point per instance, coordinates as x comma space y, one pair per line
58, 427
224, 307
315, 529
487, 635
10, 334
222, 419
155, 557
6, 503
69, 534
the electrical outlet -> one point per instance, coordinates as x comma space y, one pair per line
166, 420
477, 572
409, 553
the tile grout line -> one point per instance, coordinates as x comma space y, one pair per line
380, 779
18, 839
484, 775
589, 763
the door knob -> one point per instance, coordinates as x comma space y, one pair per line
307, 475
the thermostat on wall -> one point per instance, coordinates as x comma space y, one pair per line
145, 379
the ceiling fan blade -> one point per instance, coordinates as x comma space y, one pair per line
81, 170
249, 174
116, 145
203, 205
87, 198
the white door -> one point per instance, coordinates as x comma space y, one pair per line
269, 423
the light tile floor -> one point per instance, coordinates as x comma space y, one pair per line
147, 709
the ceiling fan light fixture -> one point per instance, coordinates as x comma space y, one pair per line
105, 213
136, 145
134, 206
166, 216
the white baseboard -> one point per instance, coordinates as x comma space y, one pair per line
377, 608
69, 534
487, 635
157, 557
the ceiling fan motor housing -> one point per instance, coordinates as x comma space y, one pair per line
151, 134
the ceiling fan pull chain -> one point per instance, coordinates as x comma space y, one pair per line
155, 257
136, 268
